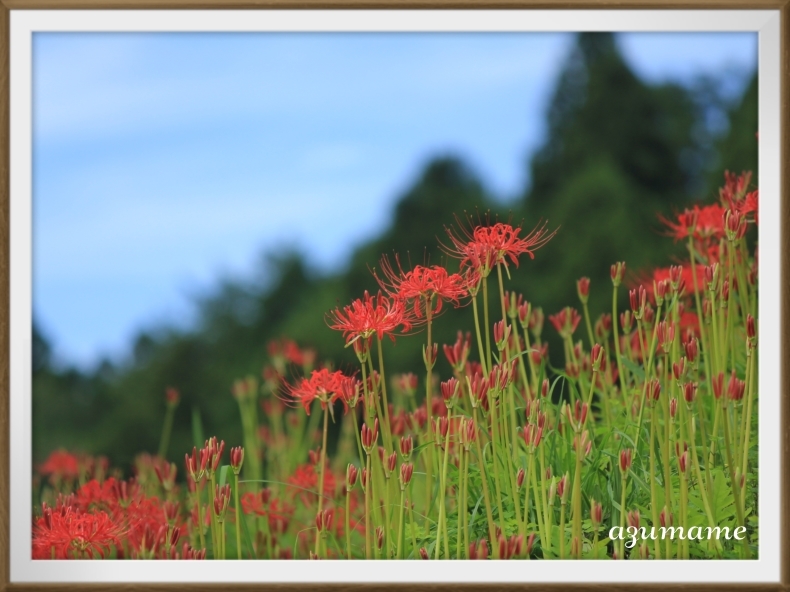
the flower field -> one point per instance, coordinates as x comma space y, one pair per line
642, 445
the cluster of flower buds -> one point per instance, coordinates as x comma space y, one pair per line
369, 436
596, 513
576, 416
626, 321
751, 332
735, 387
718, 385
582, 443
666, 335
406, 471
563, 489
673, 408
652, 390
196, 467
689, 393
236, 459
583, 289
449, 390
520, 476
501, 334
617, 272
638, 300
214, 453
429, 355
596, 357
633, 518
388, 462
734, 225
512, 547
467, 432
532, 436
661, 290
192, 553
478, 550
524, 313
441, 428
676, 279
323, 520
500, 377
566, 321
603, 327
691, 347
458, 353
683, 457
405, 383
406, 447
679, 369
351, 477
166, 473
625, 460
712, 276
221, 501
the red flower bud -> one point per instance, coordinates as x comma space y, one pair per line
625, 459
583, 289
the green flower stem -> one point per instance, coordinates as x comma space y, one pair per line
321, 477
623, 483
562, 530
576, 501
200, 517
486, 496
357, 432
399, 552
214, 534
479, 335
545, 534
368, 525
648, 370
666, 446
546, 511
442, 523
487, 325
683, 544
386, 417
429, 410
735, 486
495, 462
411, 519
239, 515
167, 428
615, 322
751, 368
348, 524
462, 511
653, 495
530, 462
460, 508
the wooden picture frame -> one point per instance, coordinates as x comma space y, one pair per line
11, 384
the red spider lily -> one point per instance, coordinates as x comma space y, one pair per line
61, 466
698, 222
323, 385
487, 246
735, 187
305, 482
371, 315
422, 285
566, 321
71, 533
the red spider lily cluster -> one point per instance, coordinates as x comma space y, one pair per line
649, 420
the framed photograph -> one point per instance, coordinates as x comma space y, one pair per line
493, 291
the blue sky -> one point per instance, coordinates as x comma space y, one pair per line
163, 162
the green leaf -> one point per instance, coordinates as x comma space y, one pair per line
197, 428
